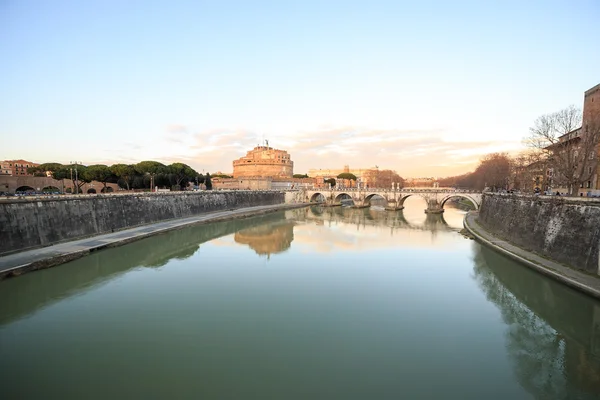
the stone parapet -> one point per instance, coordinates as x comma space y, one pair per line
566, 230
33, 223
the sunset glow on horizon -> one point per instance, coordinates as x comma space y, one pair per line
423, 89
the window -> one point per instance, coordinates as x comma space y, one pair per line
589, 184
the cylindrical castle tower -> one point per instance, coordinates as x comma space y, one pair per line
264, 161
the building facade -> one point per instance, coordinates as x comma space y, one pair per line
264, 161
421, 182
579, 150
591, 122
16, 167
263, 183
333, 173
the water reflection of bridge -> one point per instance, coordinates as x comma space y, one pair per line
362, 217
553, 335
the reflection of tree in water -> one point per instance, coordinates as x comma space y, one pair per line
267, 239
41, 288
552, 332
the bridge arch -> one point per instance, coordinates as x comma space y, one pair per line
372, 196
343, 196
317, 197
394, 200
403, 198
463, 195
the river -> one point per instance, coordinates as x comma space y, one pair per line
313, 303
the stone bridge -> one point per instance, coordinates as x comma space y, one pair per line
394, 198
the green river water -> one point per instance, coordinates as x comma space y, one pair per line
313, 303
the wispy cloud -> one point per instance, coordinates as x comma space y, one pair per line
425, 152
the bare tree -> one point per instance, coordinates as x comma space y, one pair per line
571, 150
493, 171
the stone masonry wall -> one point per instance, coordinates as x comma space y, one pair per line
33, 223
562, 229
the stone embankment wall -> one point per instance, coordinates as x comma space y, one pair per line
563, 229
33, 223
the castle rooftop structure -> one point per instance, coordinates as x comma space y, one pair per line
264, 161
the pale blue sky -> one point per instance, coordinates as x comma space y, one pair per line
423, 87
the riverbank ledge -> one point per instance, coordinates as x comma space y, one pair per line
49, 256
31, 223
579, 280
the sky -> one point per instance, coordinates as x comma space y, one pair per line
425, 88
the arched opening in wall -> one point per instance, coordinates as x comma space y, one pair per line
455, 208
68, 190
344, 199
107, 189
459, 202
51, 189
375, 200
25, 190
414, 209
91, 191
317, 198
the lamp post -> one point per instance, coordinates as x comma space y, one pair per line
151, 180
76, 178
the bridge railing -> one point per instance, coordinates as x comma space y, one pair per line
388, 190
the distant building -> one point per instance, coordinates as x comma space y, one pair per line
264, 161
326, 173
421, 182
591, 120
16, 167
571, 142
262, 183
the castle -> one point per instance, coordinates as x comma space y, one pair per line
264, 161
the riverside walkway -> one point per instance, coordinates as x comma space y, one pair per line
45, 257
581, 281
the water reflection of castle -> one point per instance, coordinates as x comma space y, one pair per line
267, 239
